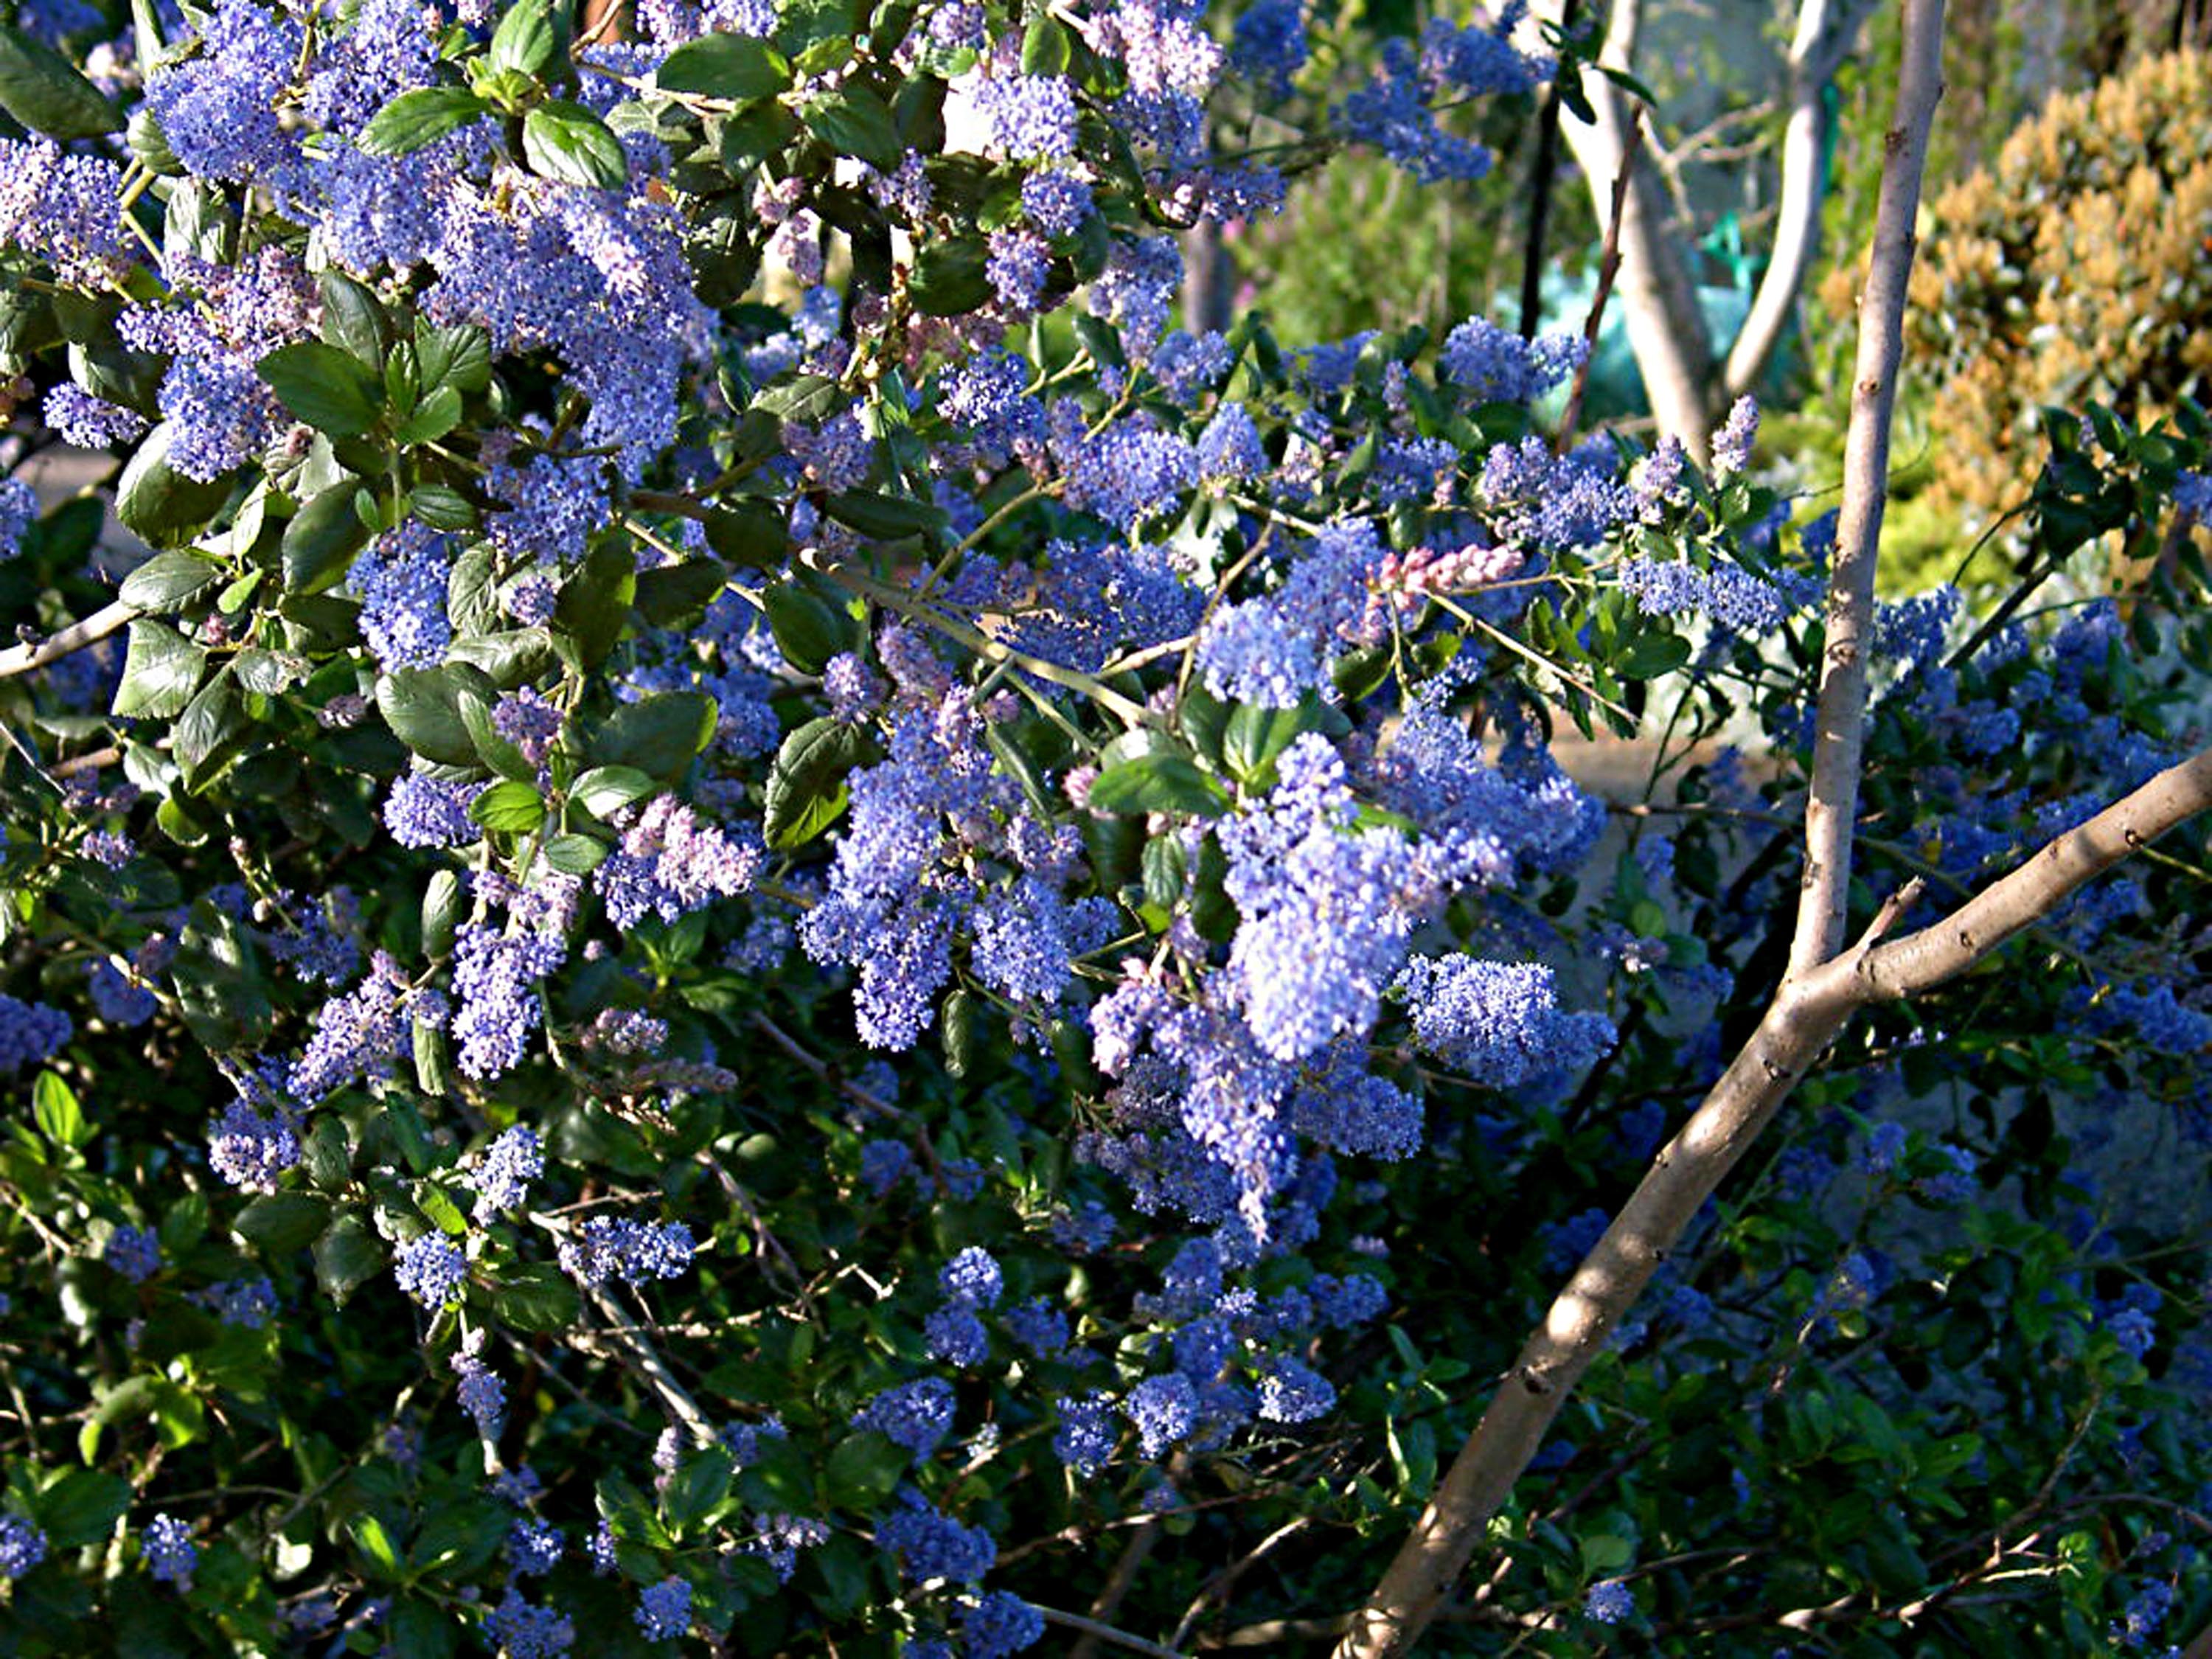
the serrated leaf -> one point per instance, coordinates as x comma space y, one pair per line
323, 386
439, 505
701, 1482
886, 517
809, 630
353, 319
853, 121
752, 536
496, 752
575, 854
733, 66
524, 39
421, 117
436, 415
166, 581
951, 276
54, 1107
160, 671
565, 141
458, 355
81, 1507
423, 708
535, 1296
863, 1470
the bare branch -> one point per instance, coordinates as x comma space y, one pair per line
1119, 1639
1840, 730
23, 658
1824, 33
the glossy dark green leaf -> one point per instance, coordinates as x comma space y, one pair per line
423, 708
606, 790
421, 117
43, 90
346, 1256
509, 807
459, 355
524, 39
699, 1484
575, 854
809, 629
753, 536
853, 121
81, 1507
327, 388
160, 503
167, 580
951, 276
283, 1224
1158, 783
886, 517
353, 319
807, 786
536, 1296
733, 66
565, 141
160, 671
673, 592
322, 539
659, 735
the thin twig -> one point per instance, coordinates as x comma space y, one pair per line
1608, 267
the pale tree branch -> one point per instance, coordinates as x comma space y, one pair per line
1807, 1012
23, 658
1839, 732
1826, 31
1658, 291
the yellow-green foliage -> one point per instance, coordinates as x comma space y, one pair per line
2079, 268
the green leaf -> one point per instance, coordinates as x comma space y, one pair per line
43, 90
807, 786
510, 807
160, 671
167, 580
575, 854
497, 752
658, 735
323, 386
440, 506
54, 1105
524, 38
863, 1470
459, 355
594, 604
886, 517
441, 911
423, 708
701, 1482
434, 417
160, 503
211, 732
753, 536
565, 141
1254, 736
353, 319
1649, 655
673, 593
809, 630
606, 790
731, 66
376, 1545
346, 1256
951, 276
957, 1032
1046, 48
81, 1507
283, 1224
536, 1296
322, 538
421, 117
1158, 783
853, 121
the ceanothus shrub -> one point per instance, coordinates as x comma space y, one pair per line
767, 919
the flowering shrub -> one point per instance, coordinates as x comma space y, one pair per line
760, 921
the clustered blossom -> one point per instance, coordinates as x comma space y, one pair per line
170, 1553
509, 1165
22, 1546
430, 1269
669, 863
30, 1032
609, 1247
